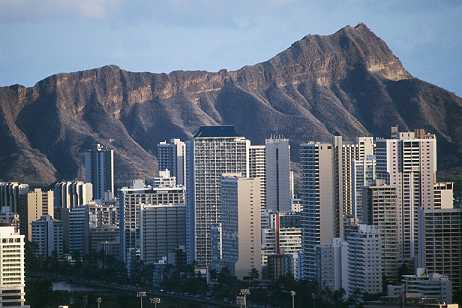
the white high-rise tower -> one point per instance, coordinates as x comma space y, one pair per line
214, 151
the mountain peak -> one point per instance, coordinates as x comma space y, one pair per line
348, 83
329, 58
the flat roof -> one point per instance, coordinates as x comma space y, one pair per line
216, 131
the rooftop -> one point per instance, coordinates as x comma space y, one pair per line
216, 131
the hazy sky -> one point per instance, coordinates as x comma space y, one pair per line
42, 37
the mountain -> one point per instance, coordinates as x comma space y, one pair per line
347, 83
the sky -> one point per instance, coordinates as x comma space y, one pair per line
39, 38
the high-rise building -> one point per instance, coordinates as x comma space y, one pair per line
277, 162
12, 195
240, 218
11, 268
364, 261
72, 194
257, 167
38, 203
213, 151
362, 177
79, 231
162, 230
345, 156
171, 156
99, 170
283, 235
331, 263
440, 243
130, 201
408, 161
48, 236
317, 192
381, 209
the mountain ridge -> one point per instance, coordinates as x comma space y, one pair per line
347, 83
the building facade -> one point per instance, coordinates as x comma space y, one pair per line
408, 161
214, 151
79, 231
257, 169
99, 171
440, 237
12, 195
162, 230
277, 162
382, 210
171, 156
240, 219
48, 237
12, 281
72, 194
364, 261
317, 192
38, 203
130, 201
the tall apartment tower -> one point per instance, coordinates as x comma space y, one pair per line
345, 156
277, 161
171, 155
99, 170
12, 268
162, 230
213, 151
317, 192
48, 236
364, 261
13, 195
241, 227
408, 161
440, 243
130, 201
381, 209
38, 203
331, 262
257, 169
364, 175
282, 236
72, 194
79, 230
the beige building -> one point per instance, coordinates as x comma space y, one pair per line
38, 203
443, 195
257, 169
381, 209
318, 194
11, 268
241, 224
408, 161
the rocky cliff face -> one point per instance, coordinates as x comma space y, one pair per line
347, 83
